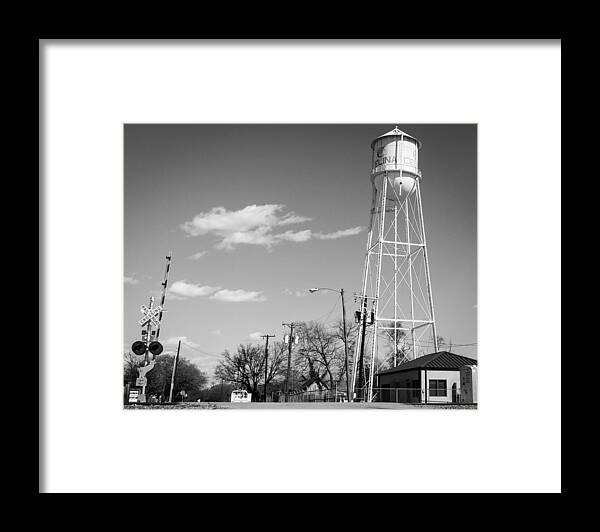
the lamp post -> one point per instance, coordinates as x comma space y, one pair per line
341, 292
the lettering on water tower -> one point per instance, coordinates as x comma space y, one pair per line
395, 153
382, 157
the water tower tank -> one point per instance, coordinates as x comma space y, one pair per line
397, 154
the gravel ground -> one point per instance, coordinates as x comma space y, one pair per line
296, 406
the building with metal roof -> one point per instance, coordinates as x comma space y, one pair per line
432, 378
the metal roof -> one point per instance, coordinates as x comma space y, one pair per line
439, 360
396, 132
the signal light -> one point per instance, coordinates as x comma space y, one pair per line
155, 348
357, 316
138, 348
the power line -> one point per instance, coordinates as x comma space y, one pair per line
426, 343
326, 316
199, 350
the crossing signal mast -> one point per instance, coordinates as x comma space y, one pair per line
149, 346
396, 278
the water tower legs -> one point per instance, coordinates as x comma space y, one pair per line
396, 282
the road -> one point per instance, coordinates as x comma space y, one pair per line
297, 406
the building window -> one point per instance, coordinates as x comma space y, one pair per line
437, 388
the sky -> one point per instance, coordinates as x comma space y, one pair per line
254, 215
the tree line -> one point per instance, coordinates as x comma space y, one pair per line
188, 377
319, 357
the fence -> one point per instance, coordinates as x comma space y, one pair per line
380, 395
411, 395
397, 395
317, 396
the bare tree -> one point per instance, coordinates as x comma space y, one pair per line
351, 337
323, 351
305, 367
275, 361
131, 363
397, 346
246, 367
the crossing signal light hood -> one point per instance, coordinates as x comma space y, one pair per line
138, 348
155, 348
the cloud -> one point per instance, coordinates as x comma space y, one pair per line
292, 218
238, 296
307, 234
298, 236
257, 237
297, 293
254, 225
339, 234
220, 221
198, 255
255, 336
130, 280
216, 332
185, 289
182, 290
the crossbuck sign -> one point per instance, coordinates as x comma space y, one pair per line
150, 315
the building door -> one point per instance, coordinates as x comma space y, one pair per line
454, 394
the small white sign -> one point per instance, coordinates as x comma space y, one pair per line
241, 396
133, 396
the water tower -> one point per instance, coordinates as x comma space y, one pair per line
396, 303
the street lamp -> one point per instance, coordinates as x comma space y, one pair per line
341, 292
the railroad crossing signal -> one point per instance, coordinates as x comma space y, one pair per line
155, 348
150, 315
139, 348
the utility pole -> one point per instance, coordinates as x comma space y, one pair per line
289, 364
361, 372
345, 345
174, 370
266, 337
341, 292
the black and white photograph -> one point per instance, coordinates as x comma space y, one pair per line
300, 265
